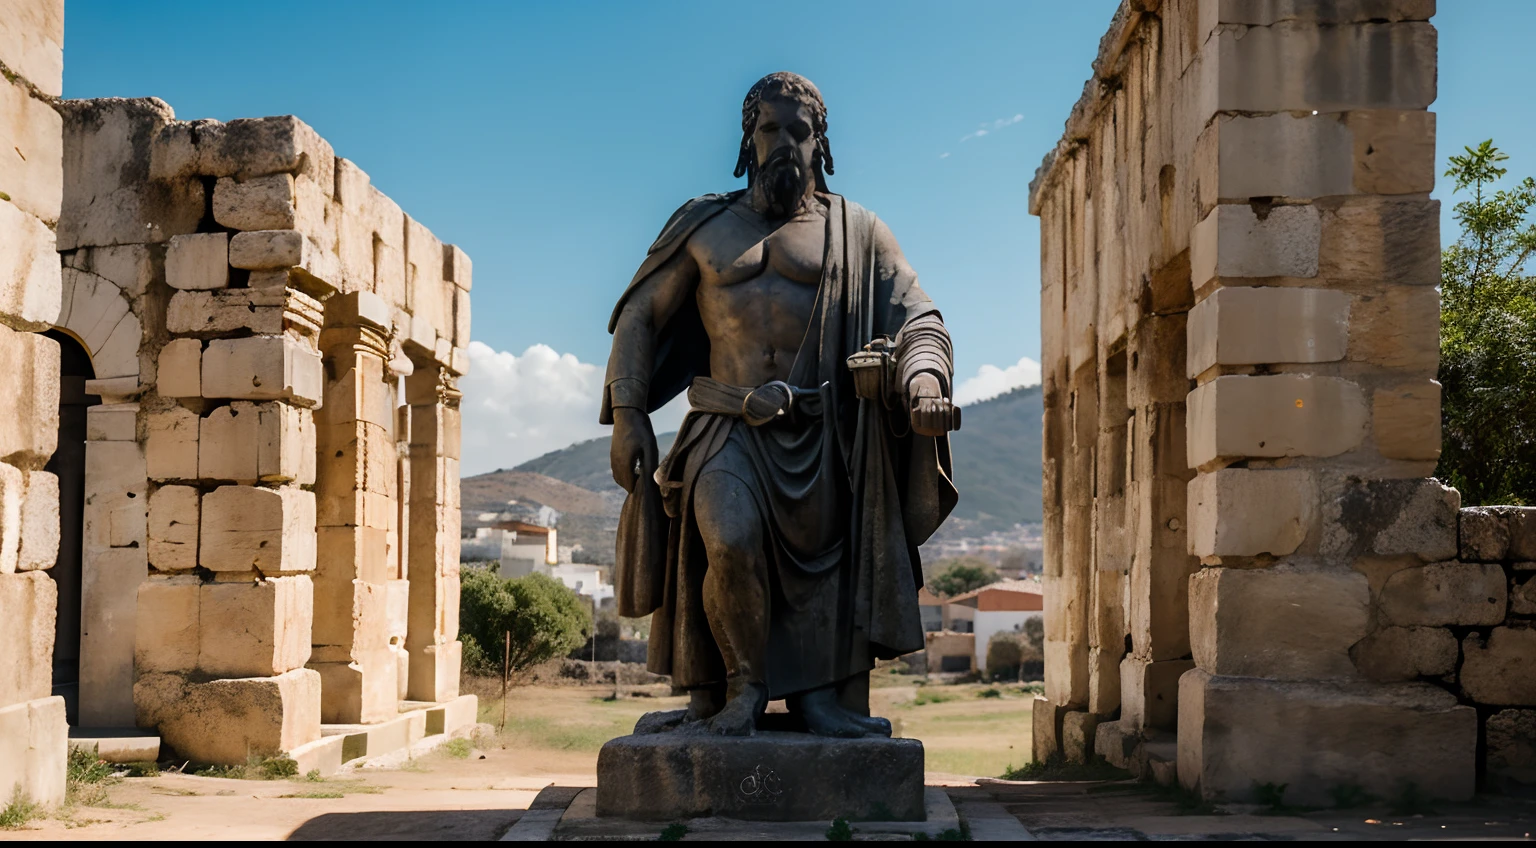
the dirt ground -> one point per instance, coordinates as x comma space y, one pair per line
551, 736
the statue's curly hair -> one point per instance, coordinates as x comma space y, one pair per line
801, 90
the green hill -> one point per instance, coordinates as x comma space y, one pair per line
997, 460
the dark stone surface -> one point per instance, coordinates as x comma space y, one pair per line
771, 776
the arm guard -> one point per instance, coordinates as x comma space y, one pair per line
923, 345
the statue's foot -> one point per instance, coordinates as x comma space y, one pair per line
824, 716
739, 715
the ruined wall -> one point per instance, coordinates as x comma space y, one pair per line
33, 733
1239, 260
272, 473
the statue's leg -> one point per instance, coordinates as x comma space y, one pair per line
735, 594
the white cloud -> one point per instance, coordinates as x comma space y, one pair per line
943, 155
987, 129
520, 407
991, 381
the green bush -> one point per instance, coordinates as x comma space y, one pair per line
546, 620
1488, 337
958, 576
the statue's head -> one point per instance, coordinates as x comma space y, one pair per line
784, 138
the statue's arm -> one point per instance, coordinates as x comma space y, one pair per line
924, 354
626, 390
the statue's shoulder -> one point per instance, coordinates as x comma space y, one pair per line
690, 215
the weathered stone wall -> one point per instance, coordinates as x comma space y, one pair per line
248, 569
1239, 260
33, 733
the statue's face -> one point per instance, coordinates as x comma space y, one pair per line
785, 143
784, 128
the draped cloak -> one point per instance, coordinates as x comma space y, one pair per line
847, 496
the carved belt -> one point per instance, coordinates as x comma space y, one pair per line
772, 401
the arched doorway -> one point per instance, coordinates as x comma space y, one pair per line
68, 464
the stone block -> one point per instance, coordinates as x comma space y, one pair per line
248, 442
109, 198
39, 521
112, 422
173, 521
1284, 623
1394, 151
108, 616
229, 721
30, 282
1496, 533
169, 625
1364, 65
1149, 693
1077, 736
263, 368
460, 320
1045, 718
1118, 744
1243, 512
243, 148
33, 175
180, 369
28, 604
1236, 734
268, 202
34, 750
198, 261
457, 268
33, 34
1405, 653
1445, 593
264, 311
129, 267
1272, 416
1254, 326
255, 529
1389, 517
363, 691
29, 429
1269, 12
256, 629
772, 776
434, 670
1501, 669
1382, 239
1397, 327
1269, 156
1406, 421
170, 451
1522, 596
1233, 241
13, 494
267, 250
116, 496
1511, 736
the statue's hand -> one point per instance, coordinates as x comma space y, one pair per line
633, 445
929, 409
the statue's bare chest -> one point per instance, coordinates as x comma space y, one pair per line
733, 251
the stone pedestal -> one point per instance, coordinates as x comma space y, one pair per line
773, 776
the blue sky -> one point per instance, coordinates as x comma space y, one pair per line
551, 140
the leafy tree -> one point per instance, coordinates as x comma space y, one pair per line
958, 576
1005, 653
1034, 639
1488, 336
546, 620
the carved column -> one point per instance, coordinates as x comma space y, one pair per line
356, 513
433, 555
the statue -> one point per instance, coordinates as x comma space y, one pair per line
776, 545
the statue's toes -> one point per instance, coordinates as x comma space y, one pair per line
875, 725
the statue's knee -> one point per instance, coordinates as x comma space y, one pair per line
727, 515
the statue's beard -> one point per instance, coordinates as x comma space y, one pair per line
783, 182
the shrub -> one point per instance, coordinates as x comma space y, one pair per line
545, 619
958, 576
